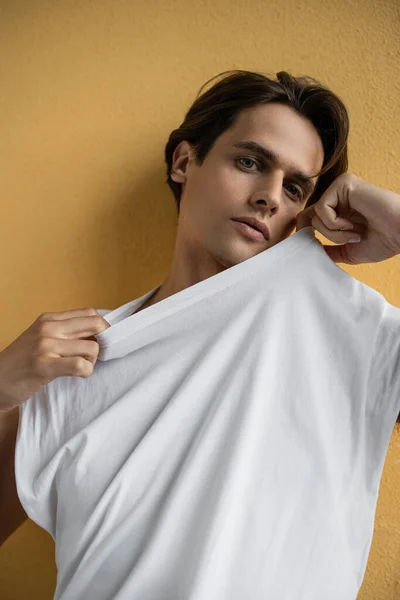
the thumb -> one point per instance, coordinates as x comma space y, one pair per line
305, 217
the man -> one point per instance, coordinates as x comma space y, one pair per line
212, 193
230, 441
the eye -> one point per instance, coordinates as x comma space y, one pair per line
249, 159
298, 190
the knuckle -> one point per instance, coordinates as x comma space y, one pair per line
349, 178
83, 367
45, 328
41, 345
79, 363
353, 180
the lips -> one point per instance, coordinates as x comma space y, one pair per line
255, 224
252, 226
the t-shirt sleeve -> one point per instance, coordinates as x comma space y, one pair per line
47, 421
383, 388
37, 443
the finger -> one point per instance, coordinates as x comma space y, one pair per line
304, 217
69, 348
328, 215
338, 237
76, 327
70, 314
76, 366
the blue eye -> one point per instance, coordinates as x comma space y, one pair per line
250, 159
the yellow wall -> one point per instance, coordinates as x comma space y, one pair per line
89, 92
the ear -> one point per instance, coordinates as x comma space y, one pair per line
181, 158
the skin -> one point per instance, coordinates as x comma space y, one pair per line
207, 240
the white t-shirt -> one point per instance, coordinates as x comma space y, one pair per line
230, 442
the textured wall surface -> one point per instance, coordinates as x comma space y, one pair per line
90, 91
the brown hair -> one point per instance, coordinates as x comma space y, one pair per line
217, 109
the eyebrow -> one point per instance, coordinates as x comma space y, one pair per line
268, 154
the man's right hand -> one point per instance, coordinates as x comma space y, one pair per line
55, 345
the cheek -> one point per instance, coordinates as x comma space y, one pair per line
232, 186
231, 178
218, 191
215, 187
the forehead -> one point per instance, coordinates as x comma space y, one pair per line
278, 127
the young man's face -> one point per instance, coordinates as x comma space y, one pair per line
236, 182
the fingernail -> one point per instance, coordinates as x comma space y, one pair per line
354, 240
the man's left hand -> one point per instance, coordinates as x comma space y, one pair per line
368, 210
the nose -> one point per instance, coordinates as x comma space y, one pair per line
271, 189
